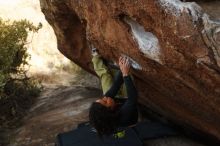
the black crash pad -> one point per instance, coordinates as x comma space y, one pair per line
85, 135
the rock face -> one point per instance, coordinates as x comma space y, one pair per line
174, 48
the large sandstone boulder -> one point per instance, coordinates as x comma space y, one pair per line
174, 48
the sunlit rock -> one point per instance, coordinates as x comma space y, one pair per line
46, 62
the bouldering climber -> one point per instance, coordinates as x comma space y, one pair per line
106, 115
114, 118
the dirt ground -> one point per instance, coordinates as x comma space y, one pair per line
57, 110
61, 109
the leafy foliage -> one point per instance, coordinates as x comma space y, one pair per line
16, 89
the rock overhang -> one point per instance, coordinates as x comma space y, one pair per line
173, 46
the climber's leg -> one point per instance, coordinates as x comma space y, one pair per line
103, 72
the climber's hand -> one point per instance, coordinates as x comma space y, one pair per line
124, 65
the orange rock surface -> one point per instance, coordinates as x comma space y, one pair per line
174, 47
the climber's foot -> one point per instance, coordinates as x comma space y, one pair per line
94, 51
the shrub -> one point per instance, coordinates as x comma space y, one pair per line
16, 89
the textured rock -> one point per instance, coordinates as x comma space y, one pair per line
173, 45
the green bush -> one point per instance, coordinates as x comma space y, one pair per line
16, 89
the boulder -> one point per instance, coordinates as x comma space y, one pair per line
173, 45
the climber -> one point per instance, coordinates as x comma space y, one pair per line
114, 121
106, 115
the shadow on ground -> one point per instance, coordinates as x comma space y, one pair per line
57, 110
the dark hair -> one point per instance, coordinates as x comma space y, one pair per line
103, 119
